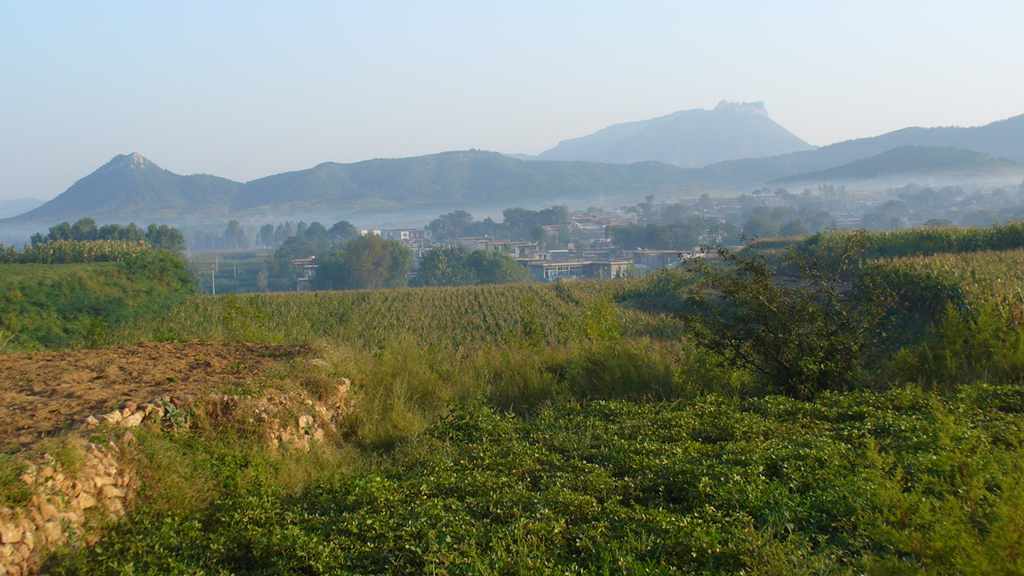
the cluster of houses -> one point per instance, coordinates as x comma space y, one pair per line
589, 256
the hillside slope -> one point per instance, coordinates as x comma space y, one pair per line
926, 160
1002, 139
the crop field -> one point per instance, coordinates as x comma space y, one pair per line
990, 277
435, 318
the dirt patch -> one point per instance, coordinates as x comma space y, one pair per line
46, 392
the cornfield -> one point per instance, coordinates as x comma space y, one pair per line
967, 280
435, 318
72, 252
922, 241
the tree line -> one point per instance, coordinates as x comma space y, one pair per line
158, 237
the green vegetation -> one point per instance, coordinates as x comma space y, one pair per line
921, 241
74, 252
158, 237
459, 267
543, 429
75, 305
368, 262
894, 483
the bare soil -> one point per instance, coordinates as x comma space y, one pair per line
43, 393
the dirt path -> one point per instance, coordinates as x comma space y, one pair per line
45, 392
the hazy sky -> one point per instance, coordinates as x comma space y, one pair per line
248, 89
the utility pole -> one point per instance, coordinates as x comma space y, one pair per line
213, 277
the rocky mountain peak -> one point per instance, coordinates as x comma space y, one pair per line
742, 107
133, 160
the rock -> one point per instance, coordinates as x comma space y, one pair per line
130, 406
86, 501
46, 472
28, 539
9, 534
318, 434
52, 532
115, 506
37, 517
305, 422
111, 492
113, 417
14, 570
91, 422
132, 420
47, 511
102, 481
6, 550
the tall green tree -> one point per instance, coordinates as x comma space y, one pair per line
368, 262
445, 267
491, 267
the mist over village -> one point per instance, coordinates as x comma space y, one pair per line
523, 289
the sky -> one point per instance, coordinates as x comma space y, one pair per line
248, 89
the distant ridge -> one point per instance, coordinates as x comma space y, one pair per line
17, 206
689, 138
1001, 139
133, 188
908, 160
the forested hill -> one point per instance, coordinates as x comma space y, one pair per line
909, 160
469, 176
1002, 139
133, 188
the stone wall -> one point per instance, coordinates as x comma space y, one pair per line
72, 502
66, 507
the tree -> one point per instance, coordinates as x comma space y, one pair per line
84, 230
799, 340
315, 232
368, 262
284, 231
760, 226
492, 267
342, 231
445, 267
266, 235
793, 228
163, 237
235, 236
451, 226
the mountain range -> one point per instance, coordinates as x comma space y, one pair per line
133, 188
